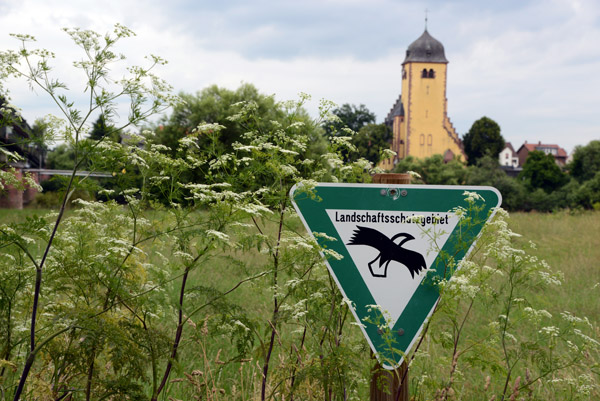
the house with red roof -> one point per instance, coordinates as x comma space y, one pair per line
560, 155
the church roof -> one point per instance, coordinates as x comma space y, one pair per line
397, 110
425, 49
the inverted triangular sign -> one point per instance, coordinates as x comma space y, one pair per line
396, 241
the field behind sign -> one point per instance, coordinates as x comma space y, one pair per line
568, 242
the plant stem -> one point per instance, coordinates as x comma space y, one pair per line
6, 355
298, 361
178, 334
506, 357
90, 376
275, 314
180, 323
455, 353
36, 295
31, 358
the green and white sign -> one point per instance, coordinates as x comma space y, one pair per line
396, 242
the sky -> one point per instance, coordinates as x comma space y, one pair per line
533, 66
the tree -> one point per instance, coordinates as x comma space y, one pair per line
100, 130
433, 170
541, 171
483, 138
588, 193
61, 157
349, 116
488, 172
214, 105
586, 161
370, 140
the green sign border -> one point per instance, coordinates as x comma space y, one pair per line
312, 206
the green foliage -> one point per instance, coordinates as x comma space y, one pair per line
434, 171
148, 94
586, 161
214, 105
121, 285
542, 186
39, 136
495, 337
101, 130
483, 138
370, 140
541, 172
348, 116
589, 192
230, 110
488, 172
61, 157
357, 125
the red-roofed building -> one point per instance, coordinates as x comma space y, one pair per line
560, 155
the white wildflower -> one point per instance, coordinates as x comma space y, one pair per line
240, 324
387, 154
324, 236
332, 253
471, 196
217, 234
552, 331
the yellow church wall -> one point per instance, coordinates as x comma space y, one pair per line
452, 140
426, 111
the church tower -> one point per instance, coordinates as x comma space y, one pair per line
419, 119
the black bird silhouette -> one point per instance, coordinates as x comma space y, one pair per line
388, 250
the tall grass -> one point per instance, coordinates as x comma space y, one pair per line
569, 243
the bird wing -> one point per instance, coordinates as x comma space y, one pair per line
414, 261
407, 237
369, 236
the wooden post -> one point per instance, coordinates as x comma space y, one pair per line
395, 178
386, 383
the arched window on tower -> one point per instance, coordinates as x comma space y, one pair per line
424, 73
431, 73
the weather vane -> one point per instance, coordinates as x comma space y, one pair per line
426, 10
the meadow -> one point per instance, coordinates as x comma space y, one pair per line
569, 243
317, 353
